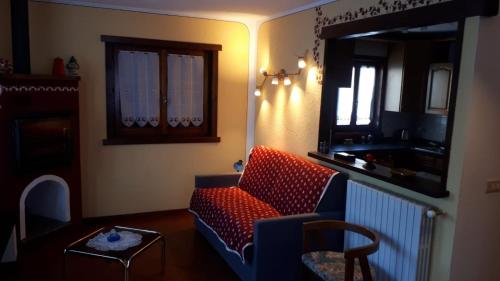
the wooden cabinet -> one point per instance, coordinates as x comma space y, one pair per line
417, 60
438, 88
406, 81
340, 72
430, 164
394, 78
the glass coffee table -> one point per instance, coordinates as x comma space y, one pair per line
125, 257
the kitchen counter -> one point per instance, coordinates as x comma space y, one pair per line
423, 183
432, 150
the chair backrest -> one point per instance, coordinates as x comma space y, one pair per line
317, 229
290, 184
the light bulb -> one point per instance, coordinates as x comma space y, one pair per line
257, 92
275, 81
301, 63
287, 81
262, 70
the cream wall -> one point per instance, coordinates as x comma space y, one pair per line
5, 33
141, 178
477, 248
288, 117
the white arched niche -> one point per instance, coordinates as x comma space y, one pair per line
45, 197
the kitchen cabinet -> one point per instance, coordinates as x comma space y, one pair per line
394, 81
407, 70
342, 52
428, 163
439, 88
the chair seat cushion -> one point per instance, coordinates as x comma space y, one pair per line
231, 214
330, 266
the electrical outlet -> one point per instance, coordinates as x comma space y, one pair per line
493, 186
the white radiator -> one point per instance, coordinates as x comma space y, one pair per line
404, 228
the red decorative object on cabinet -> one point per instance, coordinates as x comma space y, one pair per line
58, 67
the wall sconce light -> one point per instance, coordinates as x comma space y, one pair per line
301, 63
287, 81
282, 75
275, 80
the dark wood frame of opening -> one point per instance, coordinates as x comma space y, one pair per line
456, 10
117, 134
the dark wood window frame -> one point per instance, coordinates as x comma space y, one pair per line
118, 134
380, 65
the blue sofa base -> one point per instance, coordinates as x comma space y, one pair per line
279, 247
234, 261
277, 242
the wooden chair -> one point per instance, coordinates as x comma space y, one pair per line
334, 266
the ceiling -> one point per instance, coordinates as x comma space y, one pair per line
234, 10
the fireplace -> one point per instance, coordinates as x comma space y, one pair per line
40, 181
40, 178
44, 206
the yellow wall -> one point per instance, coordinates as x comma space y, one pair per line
141, 178
5, 34
288, 117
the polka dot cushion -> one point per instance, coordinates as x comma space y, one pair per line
290, 184
260, 172
299, 185
231, 213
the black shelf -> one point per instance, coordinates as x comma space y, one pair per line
418, 184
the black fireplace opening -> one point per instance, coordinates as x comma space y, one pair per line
43, 142
44, 206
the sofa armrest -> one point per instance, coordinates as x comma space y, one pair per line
278, 245
217, 180
334, 199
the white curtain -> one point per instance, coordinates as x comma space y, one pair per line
185, 90
138, 84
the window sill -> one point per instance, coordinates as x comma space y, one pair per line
418, 184
158, 140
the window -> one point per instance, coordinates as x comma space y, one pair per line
160, 91
357, 105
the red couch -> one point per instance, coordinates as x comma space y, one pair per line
274, 185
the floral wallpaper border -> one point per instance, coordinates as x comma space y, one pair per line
380, 8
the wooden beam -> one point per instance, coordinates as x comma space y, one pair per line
160, 43
451, 11
485, 8
20, 36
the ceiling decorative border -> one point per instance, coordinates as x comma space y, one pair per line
380, 8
